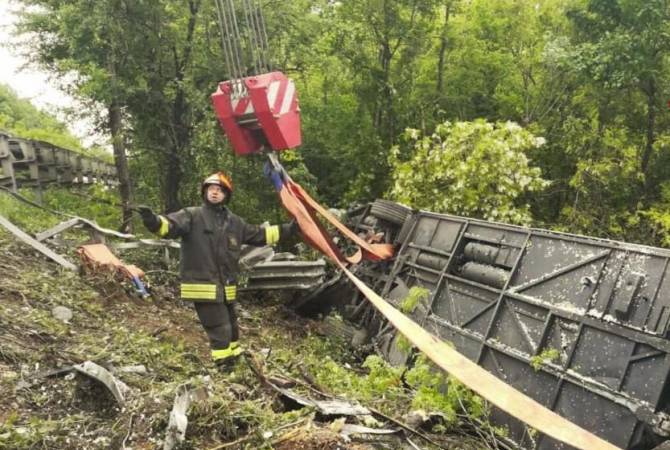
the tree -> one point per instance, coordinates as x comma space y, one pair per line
377, 44
92, 48
475, 169
20, 118
622, 47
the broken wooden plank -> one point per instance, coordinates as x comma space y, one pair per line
26, 238
46, 234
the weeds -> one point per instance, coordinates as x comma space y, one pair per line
415, 296
547, 355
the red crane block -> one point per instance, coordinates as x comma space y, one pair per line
268, 113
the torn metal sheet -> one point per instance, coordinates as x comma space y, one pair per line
284, 256
350, 430
75, 221
23, 236
251, 256
138, 369
117, 387
105, 231
326, 407
40, 377
176, 430
46, 234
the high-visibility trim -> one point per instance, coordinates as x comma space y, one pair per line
236, 348
272, 234
164, 228
224, 353
192, 291
231, 292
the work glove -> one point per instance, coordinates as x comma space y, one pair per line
150, 220
289, 229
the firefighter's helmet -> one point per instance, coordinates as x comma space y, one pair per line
220, 179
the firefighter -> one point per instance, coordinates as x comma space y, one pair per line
211, 240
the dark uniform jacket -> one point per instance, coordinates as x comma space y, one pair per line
211, 241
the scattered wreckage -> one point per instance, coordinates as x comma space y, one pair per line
579, 324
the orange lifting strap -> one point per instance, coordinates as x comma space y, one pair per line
304, 208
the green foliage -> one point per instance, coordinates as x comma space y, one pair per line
15, 211
547, 355
585, 74
94, 202
475, 169
20, 118
437, 391
382, 383
416, 295
403, 344
37, 432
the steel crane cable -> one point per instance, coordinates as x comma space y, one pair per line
258, 34
227, 51
230, 37
232, 20
254, 53
232, 42
264, 37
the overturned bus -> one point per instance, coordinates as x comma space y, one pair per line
595, 312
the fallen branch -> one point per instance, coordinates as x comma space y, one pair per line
230, 444
130, 429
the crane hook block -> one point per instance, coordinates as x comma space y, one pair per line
259, 111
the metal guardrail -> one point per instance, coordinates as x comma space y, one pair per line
25, 162
296, 275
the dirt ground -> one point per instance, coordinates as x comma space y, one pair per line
153, 345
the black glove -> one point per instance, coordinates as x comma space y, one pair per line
150, 220
289, 229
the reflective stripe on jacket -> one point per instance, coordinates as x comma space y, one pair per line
211, 242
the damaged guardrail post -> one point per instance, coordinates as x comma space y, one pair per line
7, 176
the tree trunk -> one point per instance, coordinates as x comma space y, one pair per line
651, 122
443, 49
180, 121
173, 177
121, 163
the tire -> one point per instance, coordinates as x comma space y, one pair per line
390, 211
405, 229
